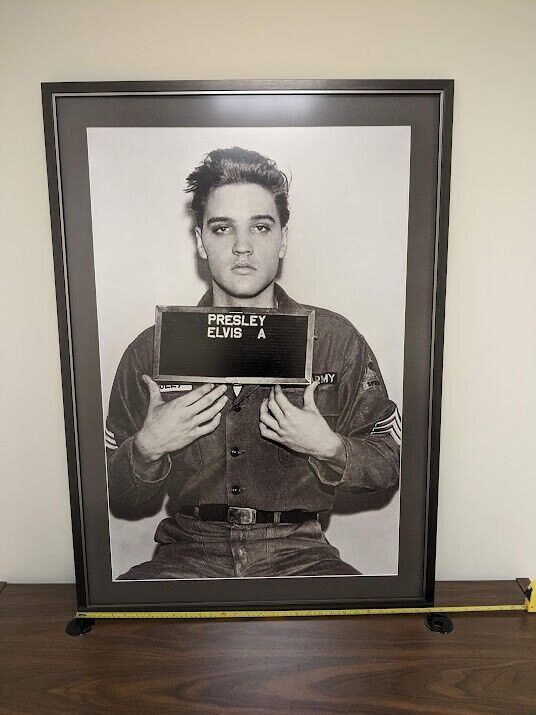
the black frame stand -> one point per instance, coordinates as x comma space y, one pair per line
80, 626
436, 622
439, 623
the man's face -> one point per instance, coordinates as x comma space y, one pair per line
242, 238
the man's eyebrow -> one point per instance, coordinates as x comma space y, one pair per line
216, 219
263, 217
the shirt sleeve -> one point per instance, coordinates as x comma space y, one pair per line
132, 493
370, 427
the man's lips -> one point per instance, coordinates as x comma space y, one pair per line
243, 268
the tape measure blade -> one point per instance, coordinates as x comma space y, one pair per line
299, 613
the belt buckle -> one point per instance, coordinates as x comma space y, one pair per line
241, 515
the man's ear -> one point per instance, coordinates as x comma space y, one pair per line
284, 241
199, 241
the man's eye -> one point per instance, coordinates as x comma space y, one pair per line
221, 230
261, 228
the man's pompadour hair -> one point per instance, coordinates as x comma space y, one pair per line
237, 166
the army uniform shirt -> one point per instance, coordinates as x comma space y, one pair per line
235, 465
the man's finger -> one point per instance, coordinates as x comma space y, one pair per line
155, 398
282, 400
268, 433
210, 412
207, 400
196, 394
267, 419
274, 408
308, 396
208, 427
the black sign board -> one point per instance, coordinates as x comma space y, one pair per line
233, 345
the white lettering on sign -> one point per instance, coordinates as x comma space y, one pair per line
217, 332
229, 325
246, 321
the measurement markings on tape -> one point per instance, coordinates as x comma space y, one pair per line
301, 612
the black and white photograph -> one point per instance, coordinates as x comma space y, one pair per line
250, 286
261, 221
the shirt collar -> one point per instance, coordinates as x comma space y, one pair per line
285, 303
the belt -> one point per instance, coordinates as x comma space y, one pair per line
244, 515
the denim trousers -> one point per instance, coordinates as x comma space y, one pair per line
191, 548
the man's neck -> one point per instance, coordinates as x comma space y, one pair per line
221, 299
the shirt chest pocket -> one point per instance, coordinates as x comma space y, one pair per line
190, 457
327, 402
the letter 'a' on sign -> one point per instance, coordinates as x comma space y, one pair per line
233, 345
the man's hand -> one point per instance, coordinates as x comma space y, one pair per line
301, 429
170, 426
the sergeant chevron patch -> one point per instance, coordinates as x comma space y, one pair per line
391, 425
109, 439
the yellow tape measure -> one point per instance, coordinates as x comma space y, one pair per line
291, 613
529, 606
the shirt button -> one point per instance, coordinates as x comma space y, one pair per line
237, 408
235, 452
236, 489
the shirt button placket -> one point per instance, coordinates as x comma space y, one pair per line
234, 449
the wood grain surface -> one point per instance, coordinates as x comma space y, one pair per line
358, 664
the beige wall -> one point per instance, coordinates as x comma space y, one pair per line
488, 477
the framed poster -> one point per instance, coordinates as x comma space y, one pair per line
250, 283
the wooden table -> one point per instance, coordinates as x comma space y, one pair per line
359, 664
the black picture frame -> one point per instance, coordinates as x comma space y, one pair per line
71, 106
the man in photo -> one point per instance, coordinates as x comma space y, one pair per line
248, 470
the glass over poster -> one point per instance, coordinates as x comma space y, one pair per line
250, 282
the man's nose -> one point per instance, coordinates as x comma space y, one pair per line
242, 243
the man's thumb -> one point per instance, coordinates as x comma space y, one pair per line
309, 396
155, 398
